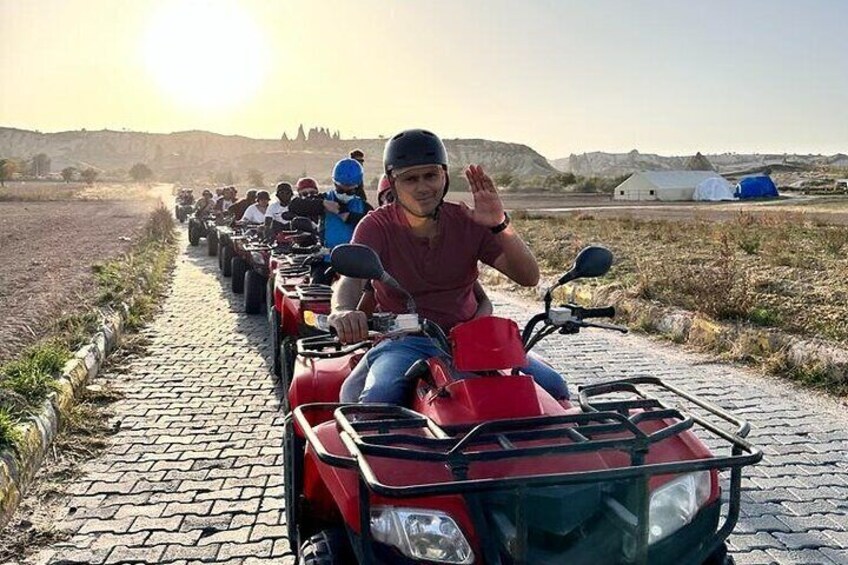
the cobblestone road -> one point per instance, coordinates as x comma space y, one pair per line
194, 475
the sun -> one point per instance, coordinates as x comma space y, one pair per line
205, 54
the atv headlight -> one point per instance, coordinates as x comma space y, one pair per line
421, 534
675, 504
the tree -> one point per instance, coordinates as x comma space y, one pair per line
140, 172
68, 174
89, 175
39, 166
8, 167
255, 178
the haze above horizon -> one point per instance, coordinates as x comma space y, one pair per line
562, 77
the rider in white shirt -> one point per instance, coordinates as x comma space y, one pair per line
278, 210
255, 213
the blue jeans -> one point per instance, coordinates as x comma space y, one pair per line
380, 375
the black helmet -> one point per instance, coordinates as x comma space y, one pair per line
414, 147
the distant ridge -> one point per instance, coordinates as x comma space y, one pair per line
599, 163
187, 155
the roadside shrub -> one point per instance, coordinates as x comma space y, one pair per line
32, 376
10, 434
763, 316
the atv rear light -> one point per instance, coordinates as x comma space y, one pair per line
676, 503
421, 534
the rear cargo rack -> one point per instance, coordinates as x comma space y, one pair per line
370, 431
314, 291
292, 271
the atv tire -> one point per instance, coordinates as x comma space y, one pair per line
720, 557
226, 258
254, 292
275, 320
193, 235
329, 547
237, 270
211, 245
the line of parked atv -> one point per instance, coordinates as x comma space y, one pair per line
272, 271
481, 466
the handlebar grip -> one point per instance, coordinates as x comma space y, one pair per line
607, 312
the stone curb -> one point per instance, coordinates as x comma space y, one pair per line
17, 469
740, 340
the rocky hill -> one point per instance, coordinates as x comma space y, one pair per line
615, 164
200, 155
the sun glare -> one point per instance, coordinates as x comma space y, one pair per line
205, 54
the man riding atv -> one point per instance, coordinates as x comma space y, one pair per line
278, 211
432, 248
204, 204
255, 213
237, 210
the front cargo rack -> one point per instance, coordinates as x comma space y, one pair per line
385, 432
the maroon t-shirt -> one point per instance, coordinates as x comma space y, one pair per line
438, 273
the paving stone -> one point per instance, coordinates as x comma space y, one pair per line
147, 554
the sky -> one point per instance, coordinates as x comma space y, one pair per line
562, 76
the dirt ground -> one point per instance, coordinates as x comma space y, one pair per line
47, 248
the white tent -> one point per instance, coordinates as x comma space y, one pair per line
713, 189
661, 185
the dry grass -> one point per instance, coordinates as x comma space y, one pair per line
59, 191
779, 270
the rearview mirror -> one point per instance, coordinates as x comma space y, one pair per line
593, 261
357, 261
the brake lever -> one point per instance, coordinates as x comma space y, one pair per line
604, 326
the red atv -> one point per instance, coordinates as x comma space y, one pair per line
483, 466
292, 296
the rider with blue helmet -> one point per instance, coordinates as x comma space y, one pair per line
342, 207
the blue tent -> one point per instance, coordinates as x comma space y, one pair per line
760, 186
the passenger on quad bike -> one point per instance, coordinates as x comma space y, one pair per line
278, 211
204, 204
255, 213
432, 247
237, 210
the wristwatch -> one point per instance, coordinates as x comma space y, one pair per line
501, 226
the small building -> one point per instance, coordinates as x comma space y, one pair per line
662, 185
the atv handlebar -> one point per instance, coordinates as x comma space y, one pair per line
567, 319
607, 312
